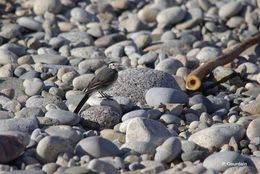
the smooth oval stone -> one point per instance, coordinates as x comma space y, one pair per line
50, 147
230, 9
33, 86
52, 6
149, 130
100, 117
139, 147
97, 147
7, 56
11, 147
155, 96
87, 53
169, 65
170, 16
18, 50
221, 161
102, 167
168, 151
51, 59
252, 107
66, 132
208, 53
253, 129
64, 117
29, 23
218, 135
82, 16
135, 82
26, 125
135, 113
76, 37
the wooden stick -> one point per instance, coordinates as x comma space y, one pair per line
194, 79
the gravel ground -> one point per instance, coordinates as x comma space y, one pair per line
51, 49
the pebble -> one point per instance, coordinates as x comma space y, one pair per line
221, 161
77, 37
18, 50
76, 170
82, 16
134, 114
64, 117
200, 99
170, 16
12, 146
252, 107
7, 56
26, 125
208, 53
50, 147
148, 131
155, 96
207, 137
51, 59
230, 9
52, 6
29, 23
148, 13
169, 65
253, 129
102, 167
168, 151
81, 82
140, 147
134, 83
33, 86
108, 40
64, 131
96, 147
100, 117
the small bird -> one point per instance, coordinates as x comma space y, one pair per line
103, 80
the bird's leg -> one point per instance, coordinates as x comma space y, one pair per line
104, 95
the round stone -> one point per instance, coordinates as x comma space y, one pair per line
168, 151
135, 82
42, 6
155, 96
29, 23
230, 9
221, 161
170, 16
253, 129
100, 117
50, 147
96, 147
7, 56
169, 65
148, 131
33, 86
66, 132
217, 136
208, 53
64, 117
12, 145
82, 16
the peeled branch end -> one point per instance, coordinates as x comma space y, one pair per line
193, 83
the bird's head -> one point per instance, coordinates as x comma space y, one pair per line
115, 65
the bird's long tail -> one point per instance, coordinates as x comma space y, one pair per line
82, 102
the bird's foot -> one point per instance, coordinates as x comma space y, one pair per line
104, 95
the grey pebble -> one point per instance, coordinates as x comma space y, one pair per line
148, 130
50, 147
134, 83
157, 95
96, 147
64, 117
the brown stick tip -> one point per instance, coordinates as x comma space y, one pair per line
192, 82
